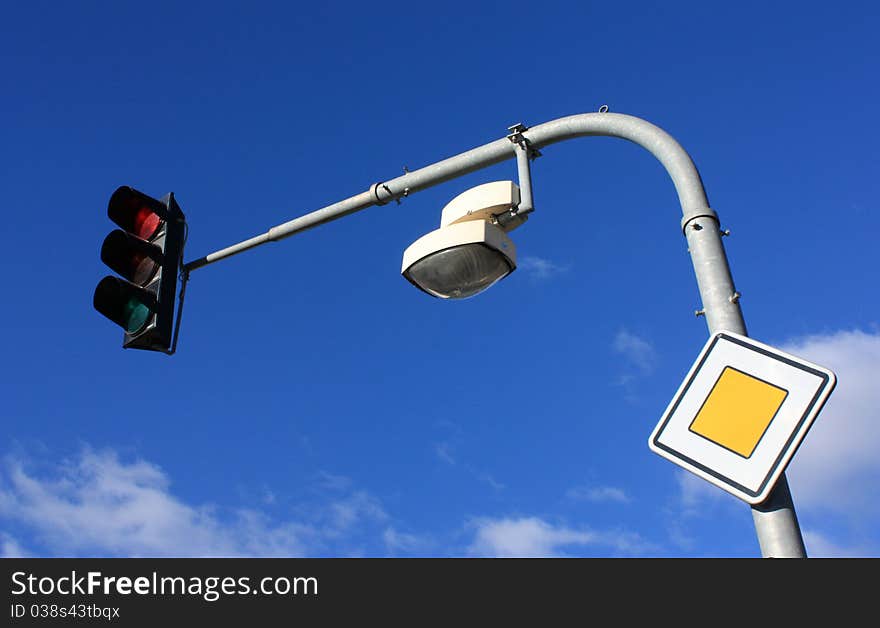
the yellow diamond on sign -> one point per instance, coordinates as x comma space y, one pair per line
738, 411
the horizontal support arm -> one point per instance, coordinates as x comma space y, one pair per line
678, 164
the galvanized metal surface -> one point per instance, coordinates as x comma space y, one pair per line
524, 172
775, 521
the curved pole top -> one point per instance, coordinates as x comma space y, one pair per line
664, 147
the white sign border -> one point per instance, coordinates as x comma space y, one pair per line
804, 423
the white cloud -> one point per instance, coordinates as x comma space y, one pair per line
10, 548
636, 350
598, 494
698, 502
332, 482
346, 513
491, 481
268, 497
531, 537
396, 541
540, 268
819, 546
99, 505
695, 493
837, 467
444, 452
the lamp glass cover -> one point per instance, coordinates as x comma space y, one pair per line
459, 271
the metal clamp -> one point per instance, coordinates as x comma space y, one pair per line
516, 133
374, 190
693, 214
516, 137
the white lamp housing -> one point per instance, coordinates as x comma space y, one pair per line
468, 253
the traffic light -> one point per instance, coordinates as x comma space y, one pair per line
147, 253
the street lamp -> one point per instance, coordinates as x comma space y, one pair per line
775, 520
471, 250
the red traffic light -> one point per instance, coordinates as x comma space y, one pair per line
136, 212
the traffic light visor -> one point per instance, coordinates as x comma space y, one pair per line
133, 258
127, 305
135, 212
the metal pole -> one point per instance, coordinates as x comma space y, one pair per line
775, 520
776, 524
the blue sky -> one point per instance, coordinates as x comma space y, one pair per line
318, 404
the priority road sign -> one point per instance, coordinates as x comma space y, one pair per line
741, 413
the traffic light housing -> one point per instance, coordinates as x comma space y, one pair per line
147, 252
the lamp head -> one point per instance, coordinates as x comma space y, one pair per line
460, 260
469, 252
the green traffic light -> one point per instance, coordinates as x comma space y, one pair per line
129, 306
135, 313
